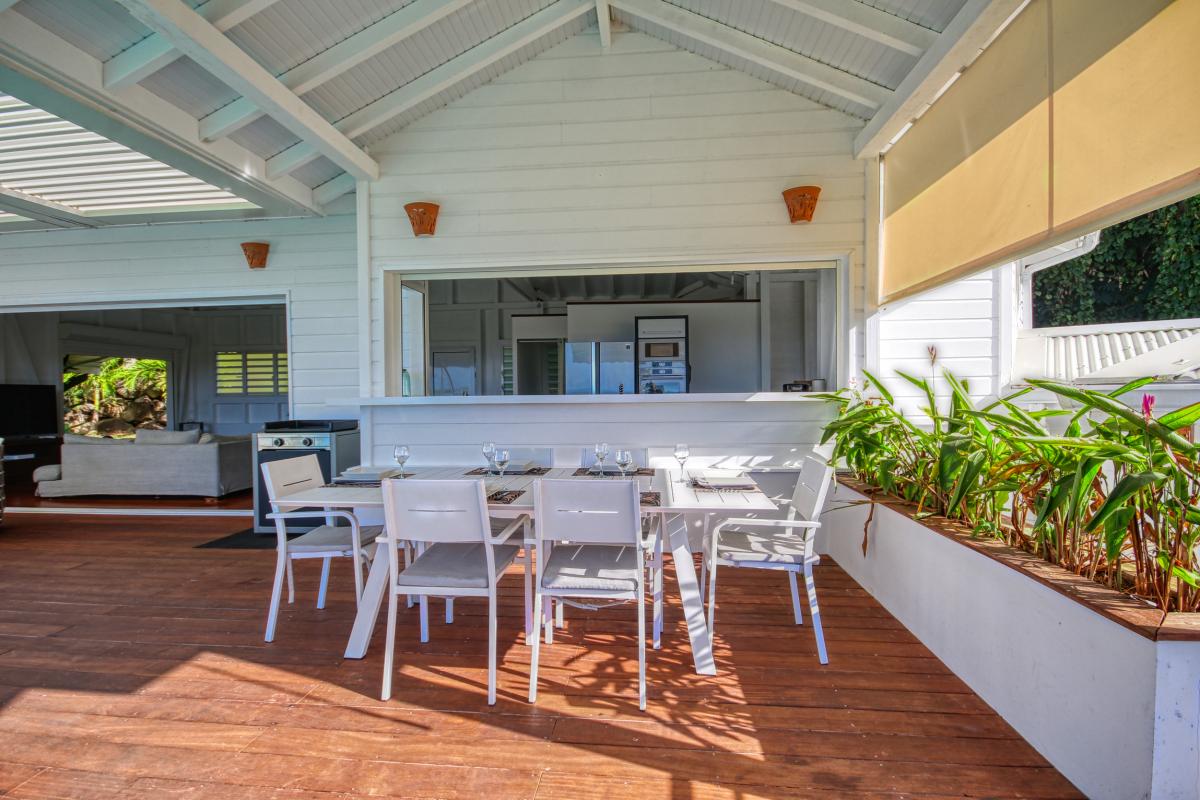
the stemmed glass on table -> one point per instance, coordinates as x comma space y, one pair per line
489, 454
624, 461
682, 452
601, 455
401, 453
501, 459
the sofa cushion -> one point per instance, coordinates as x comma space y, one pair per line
75, 438
149, 436
47, 472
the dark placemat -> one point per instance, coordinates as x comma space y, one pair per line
246, 540
534, 471
506, 497
651, 499
641, 472
355, 485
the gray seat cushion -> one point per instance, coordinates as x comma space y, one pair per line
47, 472
587, 567
456, 566
327, 537
149, 436
738, 545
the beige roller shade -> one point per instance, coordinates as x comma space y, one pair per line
1082, 112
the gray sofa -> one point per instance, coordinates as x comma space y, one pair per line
156, 463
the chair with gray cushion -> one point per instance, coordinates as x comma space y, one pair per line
590, 544
779, 544
326, 542
459, 556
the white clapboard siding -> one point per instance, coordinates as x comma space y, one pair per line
762, 430
312, 262
962, 321
640, 153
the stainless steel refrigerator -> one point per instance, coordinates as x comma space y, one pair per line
600, 368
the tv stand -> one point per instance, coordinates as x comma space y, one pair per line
24, 454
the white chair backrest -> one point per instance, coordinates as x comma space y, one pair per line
812, 487
435, 511
291, 475
587, 457
586, 511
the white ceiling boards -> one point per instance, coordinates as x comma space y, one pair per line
278, 101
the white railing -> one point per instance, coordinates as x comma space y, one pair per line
1075, 353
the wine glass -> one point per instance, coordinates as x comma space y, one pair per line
624, 461
501, 458
601, 454
401, 454
682, 452
489, 452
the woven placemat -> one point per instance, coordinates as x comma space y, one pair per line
505, 497
534, 471
651, 499
585, 472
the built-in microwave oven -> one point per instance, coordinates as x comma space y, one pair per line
663, 350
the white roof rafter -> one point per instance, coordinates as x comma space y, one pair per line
47, 72
759, 51
343, 56
198, 39
604, 21
971, 29
155, 52
42, 210
869, 22
436, 80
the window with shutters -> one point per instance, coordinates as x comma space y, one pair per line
251, 373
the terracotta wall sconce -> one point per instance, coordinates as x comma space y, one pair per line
801, 202
423, 217
256, 254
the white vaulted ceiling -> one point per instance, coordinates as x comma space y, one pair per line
286, 96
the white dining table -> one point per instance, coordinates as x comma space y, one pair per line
678, 500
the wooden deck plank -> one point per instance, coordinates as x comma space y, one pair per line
132, 665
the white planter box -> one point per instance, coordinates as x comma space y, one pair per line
1116, 711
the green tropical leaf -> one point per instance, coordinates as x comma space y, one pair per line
1126, 488
1181, 417
1116, 530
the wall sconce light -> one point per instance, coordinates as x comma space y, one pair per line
256, 254
801, 202
423, 217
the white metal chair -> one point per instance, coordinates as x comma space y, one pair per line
459, 557
786, 545
590, 545
285, 478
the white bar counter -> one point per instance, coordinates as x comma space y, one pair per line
762, 430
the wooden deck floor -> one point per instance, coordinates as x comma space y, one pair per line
132, 665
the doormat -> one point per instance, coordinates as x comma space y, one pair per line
245, 540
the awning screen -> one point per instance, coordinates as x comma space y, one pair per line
1081, 113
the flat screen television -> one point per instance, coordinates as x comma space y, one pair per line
28, 410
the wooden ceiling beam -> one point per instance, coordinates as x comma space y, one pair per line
758, 51
151, 54
329, 64
198, 39
869, 22
454, 71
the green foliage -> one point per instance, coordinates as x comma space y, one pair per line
1143, 269
1115, 497
117, 377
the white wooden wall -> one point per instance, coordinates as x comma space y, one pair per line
968, 322
644, 154
312, 262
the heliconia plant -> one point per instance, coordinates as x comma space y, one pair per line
1113, 493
